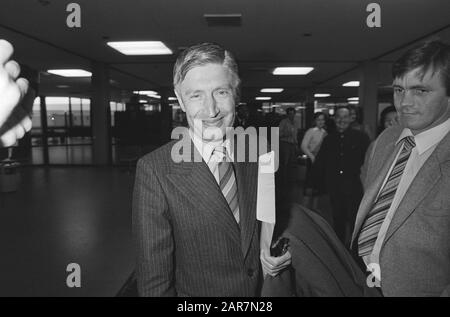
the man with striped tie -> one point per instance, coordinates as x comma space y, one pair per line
402, 231
194, 221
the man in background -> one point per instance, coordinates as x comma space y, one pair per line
337, 172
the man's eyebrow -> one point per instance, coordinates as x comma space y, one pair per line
411, 87
190, 91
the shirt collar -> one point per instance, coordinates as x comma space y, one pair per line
206, 149
429, 138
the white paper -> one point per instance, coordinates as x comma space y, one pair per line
265, 201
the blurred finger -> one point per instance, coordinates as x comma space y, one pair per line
6, 51
26, 124
23, 86
19, 131
13, 69
8, 138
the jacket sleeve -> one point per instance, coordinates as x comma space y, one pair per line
152, 234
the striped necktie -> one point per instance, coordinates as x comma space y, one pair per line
376, 216
227, 178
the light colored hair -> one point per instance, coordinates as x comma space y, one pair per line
203, 54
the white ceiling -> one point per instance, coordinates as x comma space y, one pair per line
271, 34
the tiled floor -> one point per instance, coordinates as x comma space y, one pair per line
61, 216
74, 215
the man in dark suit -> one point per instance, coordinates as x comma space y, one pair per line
337, 172
402, 230
194, 220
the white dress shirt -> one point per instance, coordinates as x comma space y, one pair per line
312, 140
426, 142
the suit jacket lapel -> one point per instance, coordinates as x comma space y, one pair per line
196, 182
426, 178
246, 178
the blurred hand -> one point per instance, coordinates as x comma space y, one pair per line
274, 265
14, 118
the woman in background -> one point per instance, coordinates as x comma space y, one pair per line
388, 118
310, 146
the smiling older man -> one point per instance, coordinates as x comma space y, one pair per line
195, 221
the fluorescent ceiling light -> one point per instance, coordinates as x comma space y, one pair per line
155, 96
353, 99
70, 72
142, 100
62, 86
263, 98
353, 83
145, 92
141, 47
321, 95
173, 98
272, 90
353, 102
292, 70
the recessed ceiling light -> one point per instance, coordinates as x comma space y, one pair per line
70, 72
263, 98
321, 95
145, 92
140, 47
353, 99
143, 101
272, 90
353, 102
353, 83
292, 70
173, 98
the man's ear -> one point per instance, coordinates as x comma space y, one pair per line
180, 101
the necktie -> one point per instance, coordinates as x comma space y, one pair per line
376, 216
228, 184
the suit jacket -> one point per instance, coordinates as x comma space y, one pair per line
188, 242
338, 163
321, 265
415, 255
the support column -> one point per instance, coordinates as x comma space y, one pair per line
100, 115
44, 128
166, 116
368, 95
309, 110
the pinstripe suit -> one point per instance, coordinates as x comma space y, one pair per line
188, 242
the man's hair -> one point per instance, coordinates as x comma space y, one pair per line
432, 55
201, 55
318, 114
343, 107
290, 109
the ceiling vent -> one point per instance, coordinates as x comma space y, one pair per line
234, 19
